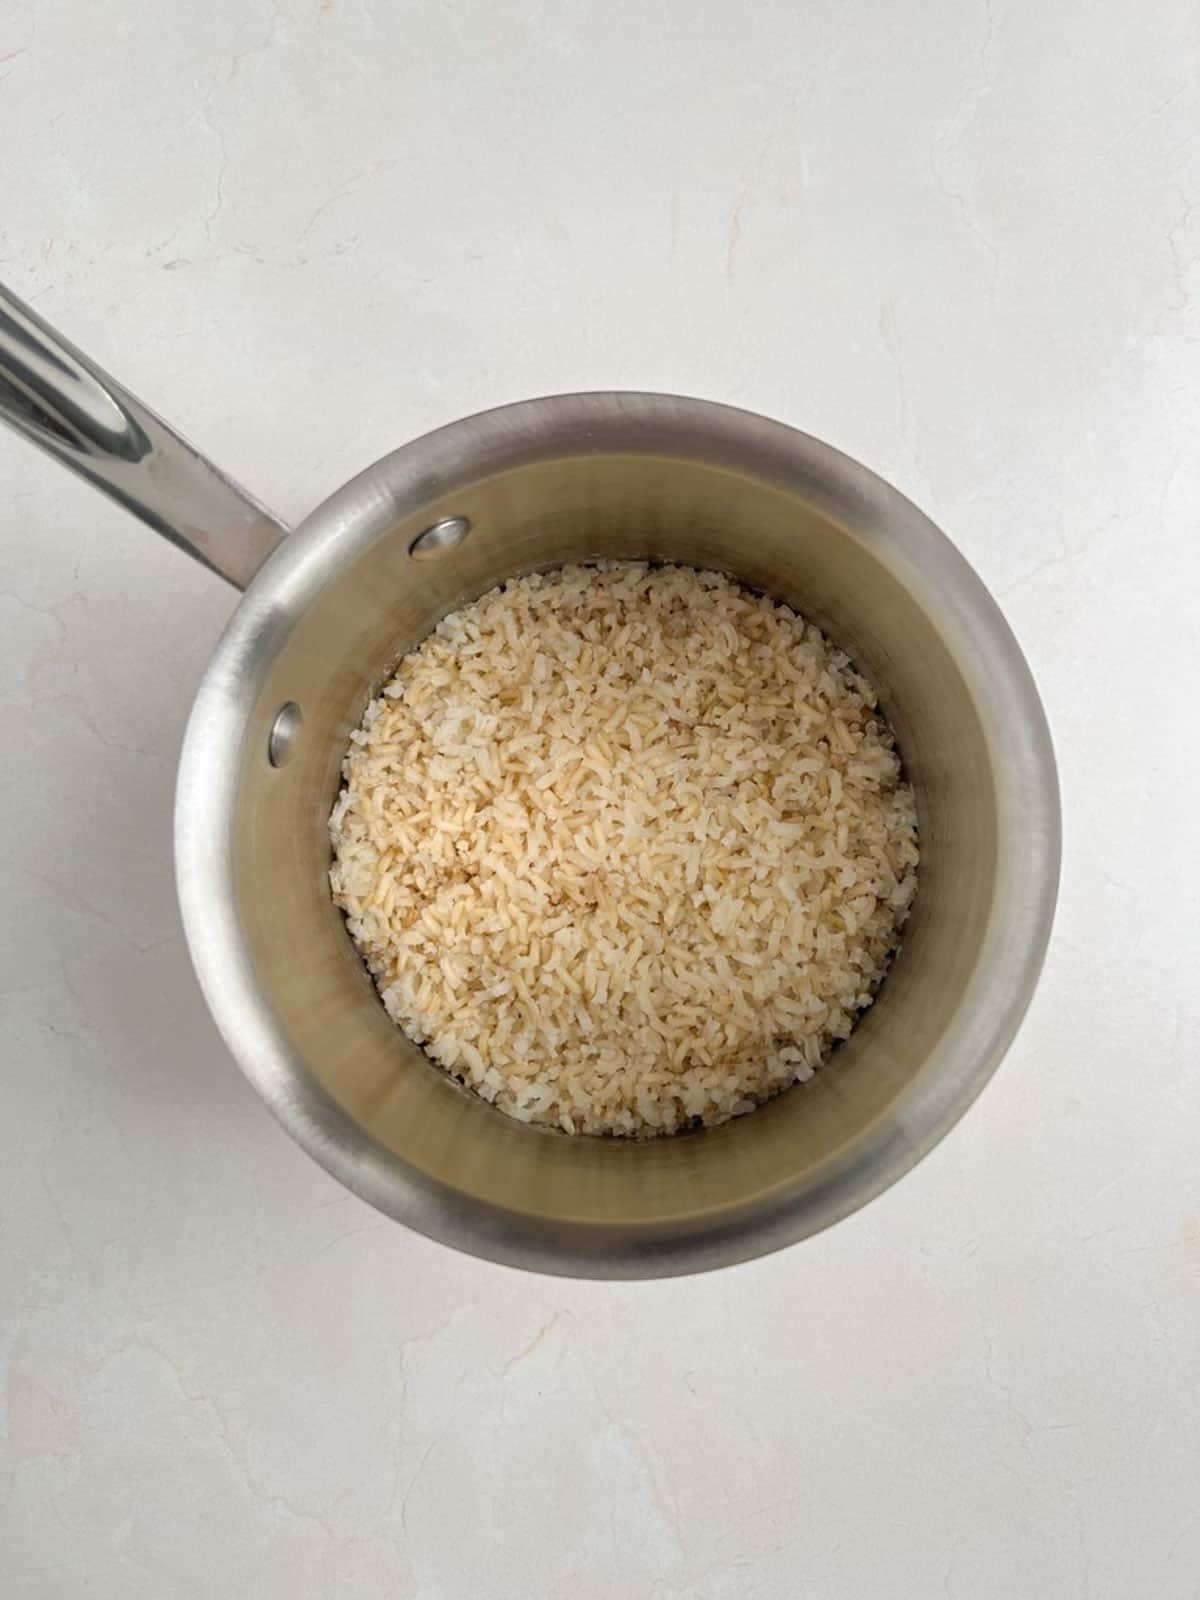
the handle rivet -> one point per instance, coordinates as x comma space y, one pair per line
285, 730
443, 535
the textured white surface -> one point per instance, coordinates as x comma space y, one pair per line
961, 241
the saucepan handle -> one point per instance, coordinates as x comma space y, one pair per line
54, 395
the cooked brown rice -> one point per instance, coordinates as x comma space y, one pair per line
626, 848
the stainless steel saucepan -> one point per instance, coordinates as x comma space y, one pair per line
328, 610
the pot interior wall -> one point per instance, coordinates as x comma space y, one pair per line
382, 602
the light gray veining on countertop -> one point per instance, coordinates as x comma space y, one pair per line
962, 242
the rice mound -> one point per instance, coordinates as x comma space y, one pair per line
625, 848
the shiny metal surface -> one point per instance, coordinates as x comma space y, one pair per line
56, 397
567, 479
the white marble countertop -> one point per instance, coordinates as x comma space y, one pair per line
962, 242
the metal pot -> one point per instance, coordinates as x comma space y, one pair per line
327, 612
